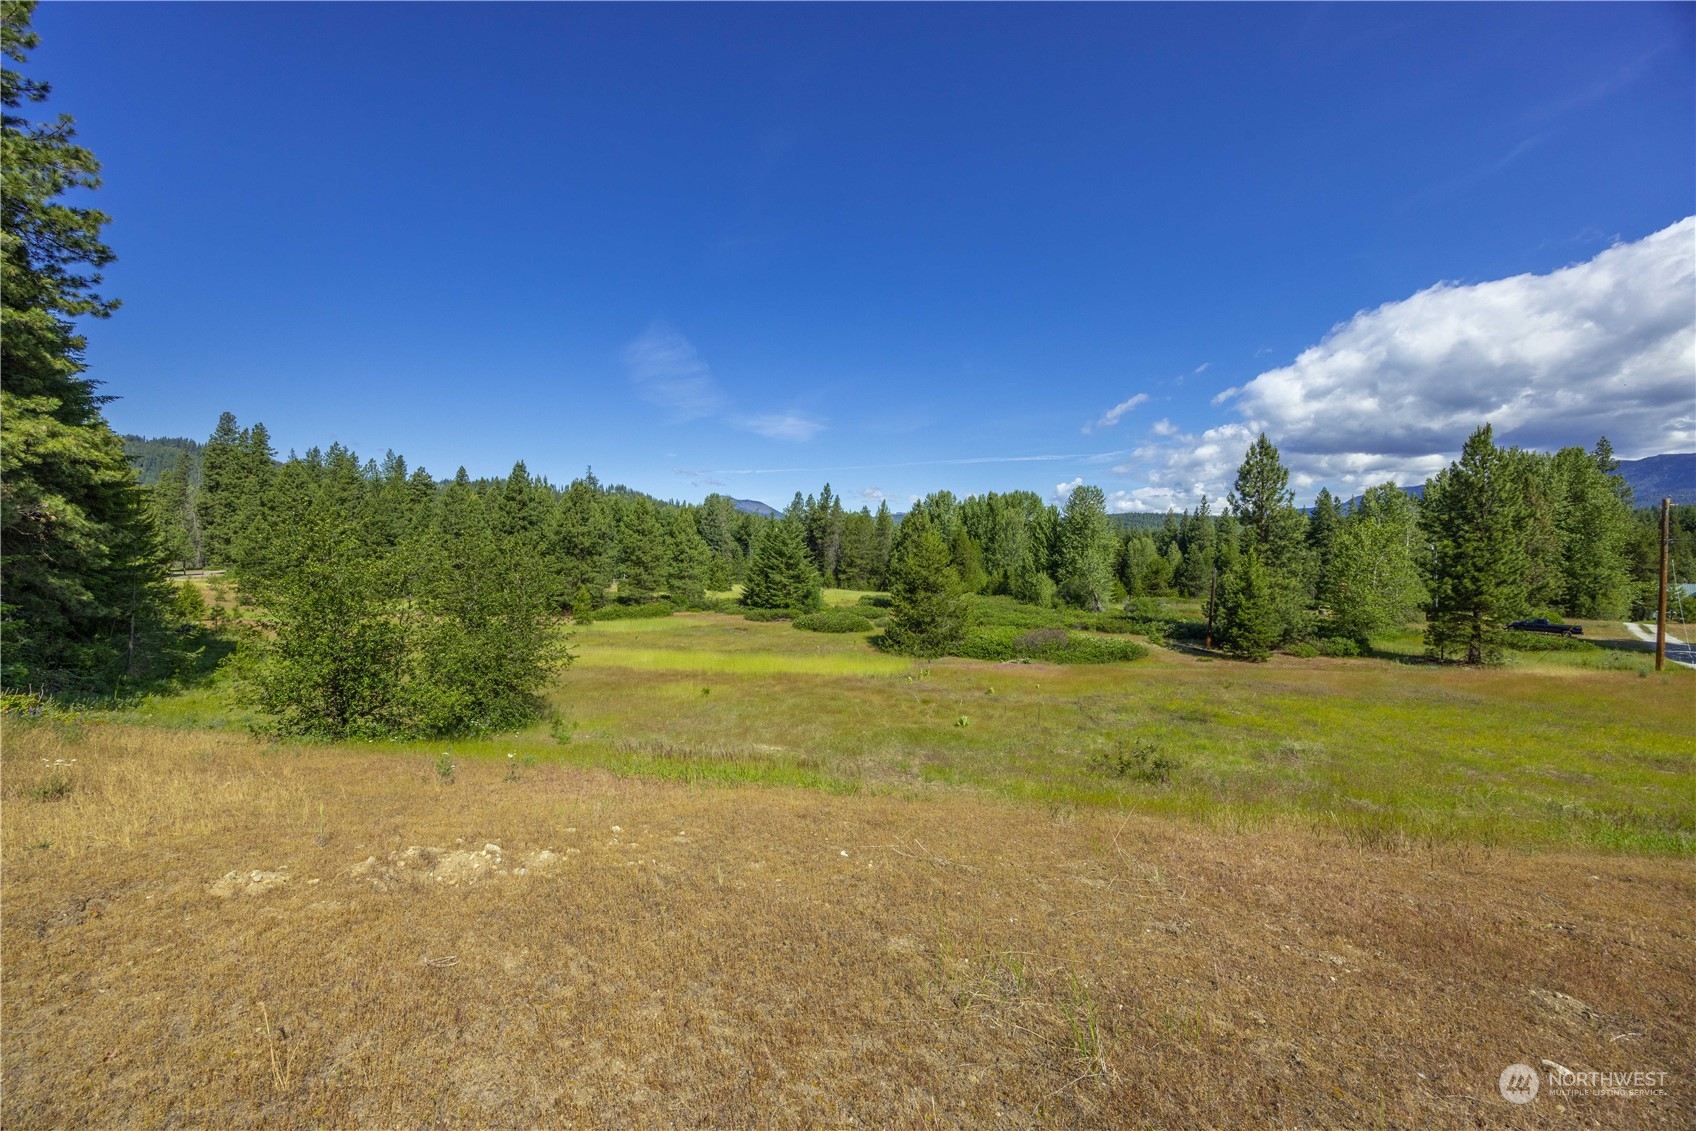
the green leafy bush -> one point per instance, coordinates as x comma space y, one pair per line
1338, 646
875, 601
1302, 651
769, 614
833, 620
1048, 645
1005, 612
1545, 642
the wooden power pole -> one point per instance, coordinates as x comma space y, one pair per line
1661, 613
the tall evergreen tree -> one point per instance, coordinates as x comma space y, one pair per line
929, 614
1322, 530
967, 558
221, 489
857, 568
1474, 519
580, 539
780, 570
1087, 550
1246, 618
1372, 584
172, 503
883, 534
644, 550
716, 520
1595, 529
82, 588
691, 559
1263, 504
1196, 538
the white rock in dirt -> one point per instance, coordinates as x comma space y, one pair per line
491, 850
247, 883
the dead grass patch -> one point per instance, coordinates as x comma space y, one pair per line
762, 956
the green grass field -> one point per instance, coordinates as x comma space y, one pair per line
1585, 749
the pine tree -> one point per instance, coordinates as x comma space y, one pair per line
691, 560
1265, 507
644, 550
1373, 583
1475, 520
1246, 620
929, 612
1594, 527
967, 559
172, 503
1197, 542
1086, 551
220, 489
579, 539
857, 566
715, 519
883, 533
83, 596
1603, 456
780, 570
1322, 530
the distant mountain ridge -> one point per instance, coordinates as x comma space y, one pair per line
151, 458
1653, 478
754, 506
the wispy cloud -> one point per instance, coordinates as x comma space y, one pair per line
667, 372
782, 426
1112, 415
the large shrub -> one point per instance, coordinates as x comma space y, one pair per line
1047, 645
833, 620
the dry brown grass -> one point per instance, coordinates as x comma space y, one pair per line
766, 957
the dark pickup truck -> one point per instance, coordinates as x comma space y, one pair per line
1541, 624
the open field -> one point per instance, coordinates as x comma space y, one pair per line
749, 875
736, 957
1552, 750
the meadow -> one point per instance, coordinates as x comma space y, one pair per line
1584, 749
750, 875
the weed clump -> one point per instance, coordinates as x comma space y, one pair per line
1140, 761
54, 787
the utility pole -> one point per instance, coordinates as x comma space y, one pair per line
1661, 613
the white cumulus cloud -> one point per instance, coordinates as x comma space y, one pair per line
1607, 346
1603, 347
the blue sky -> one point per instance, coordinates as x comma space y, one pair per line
901, 248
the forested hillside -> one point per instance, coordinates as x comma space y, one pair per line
153, 458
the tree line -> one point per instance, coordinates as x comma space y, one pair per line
1500, 534
393, 602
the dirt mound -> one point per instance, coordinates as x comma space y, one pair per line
424, 864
